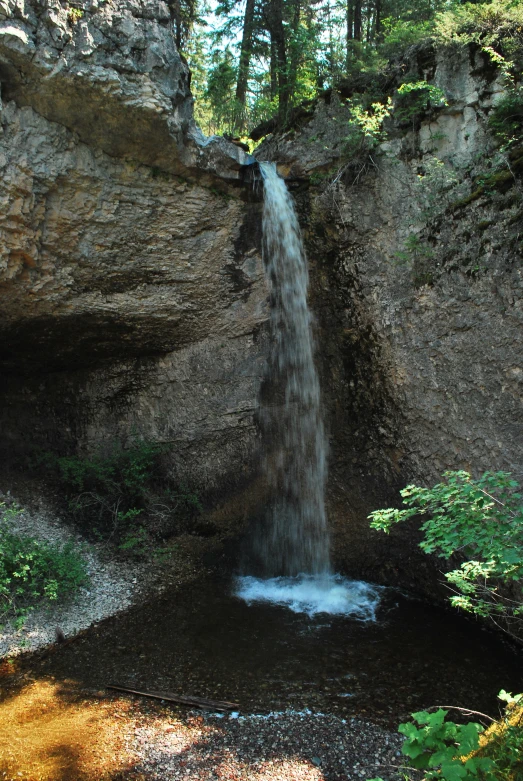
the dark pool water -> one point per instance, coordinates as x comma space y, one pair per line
204, 641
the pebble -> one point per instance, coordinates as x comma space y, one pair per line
113, 586
273, 747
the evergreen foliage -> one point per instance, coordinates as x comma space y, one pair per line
264, 57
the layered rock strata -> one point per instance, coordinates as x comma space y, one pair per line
418, 282
131, 281
133, 294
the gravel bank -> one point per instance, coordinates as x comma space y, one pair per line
286, 746
112, 587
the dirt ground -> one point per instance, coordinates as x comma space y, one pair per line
48, 734
51, 731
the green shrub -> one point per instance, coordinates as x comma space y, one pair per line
74, 15
420, 258
365, 127
399, 34
443, 749
448, 751
483, 23
481, 523
506, 118
127, 471
32, 571
122, 495
414, 99
437, 186
365, 63
503, 741
414, 249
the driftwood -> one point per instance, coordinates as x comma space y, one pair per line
198, 702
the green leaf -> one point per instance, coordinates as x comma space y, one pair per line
453, 772
480, 521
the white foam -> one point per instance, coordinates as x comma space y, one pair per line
314, 594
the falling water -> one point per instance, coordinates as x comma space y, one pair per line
293, 544
296, 538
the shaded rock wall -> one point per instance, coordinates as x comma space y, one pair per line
131, 302
420, 349
103, 258
133, 293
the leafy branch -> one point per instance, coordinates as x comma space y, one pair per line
481, 522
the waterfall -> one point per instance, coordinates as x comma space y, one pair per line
296, 538
292, 544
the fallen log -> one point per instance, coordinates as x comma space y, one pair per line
198, 702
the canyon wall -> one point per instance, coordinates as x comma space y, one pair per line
131, 280
417, 285
134, 300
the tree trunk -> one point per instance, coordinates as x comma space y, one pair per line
274, 70
176, 17
357, 20
377, 21
295, 50
350, 31
245, 61
277, 32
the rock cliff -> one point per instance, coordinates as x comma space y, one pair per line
130, 275
110, 73
418, 281
134, 301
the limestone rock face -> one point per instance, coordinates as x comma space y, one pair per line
133, 296
131, 301
110, 258
467, 79
110, 72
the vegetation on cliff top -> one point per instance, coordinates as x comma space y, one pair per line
259, 59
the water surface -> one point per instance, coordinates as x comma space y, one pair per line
202, 640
